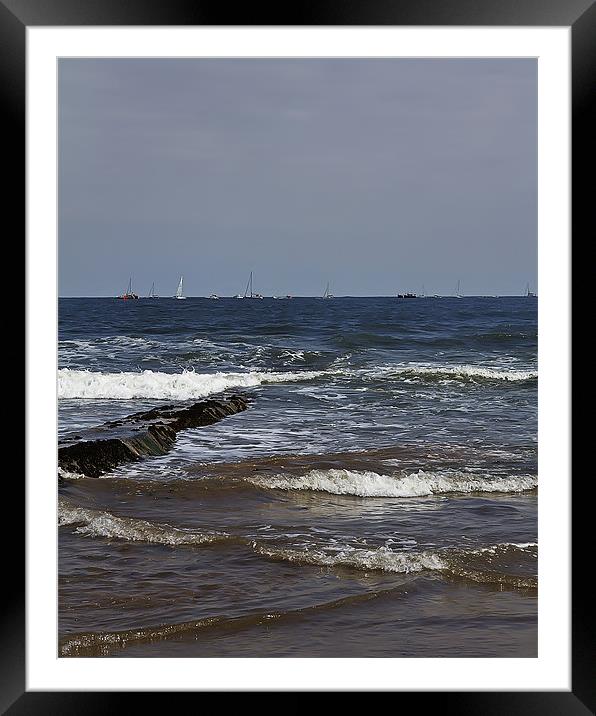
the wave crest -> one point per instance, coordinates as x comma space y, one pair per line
95, 523
495, 564
382, 559
371, 484
475, 565
466, 373
187, 385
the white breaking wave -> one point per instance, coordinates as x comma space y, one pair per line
371, 484
189, 385
378, 559
167, 386
452, 372
95, 523
447, 561
65, 474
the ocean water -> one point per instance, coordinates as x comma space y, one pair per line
377, 499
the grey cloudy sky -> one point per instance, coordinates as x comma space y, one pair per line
376, 175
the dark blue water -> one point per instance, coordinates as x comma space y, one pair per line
387, 463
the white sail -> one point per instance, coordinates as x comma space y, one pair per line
248, 289
180, 289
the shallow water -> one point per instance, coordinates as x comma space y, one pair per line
378, 497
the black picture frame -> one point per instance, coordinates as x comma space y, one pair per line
17, 15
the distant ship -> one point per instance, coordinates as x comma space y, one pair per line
327, 293
407, 295
457, 292
152, 293
180, 290
529, 293
214, 297
248, 293
129, 292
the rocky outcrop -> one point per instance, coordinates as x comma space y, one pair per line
144, 434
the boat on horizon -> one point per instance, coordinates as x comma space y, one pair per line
152, 293
214, 297
130, 294
328, 293
248, 293
180, 290
529, 293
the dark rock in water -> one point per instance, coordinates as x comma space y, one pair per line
152, 432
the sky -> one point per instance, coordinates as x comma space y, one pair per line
378, 176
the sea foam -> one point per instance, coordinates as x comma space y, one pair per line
187, 385
382, 559
96, 523
451, 562
371, 484
449, 372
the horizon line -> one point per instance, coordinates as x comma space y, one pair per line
285, 297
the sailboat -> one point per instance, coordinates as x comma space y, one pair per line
529, 293
180, 290
327, 293
457, 293
248, 293
129, 292
152, 293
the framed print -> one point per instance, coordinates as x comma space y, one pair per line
298, 351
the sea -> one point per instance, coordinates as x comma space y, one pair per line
378, 498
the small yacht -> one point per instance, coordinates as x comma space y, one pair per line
129, 292
327, 293
180, 290
529, 293
152, 293
248, 293
214, 297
